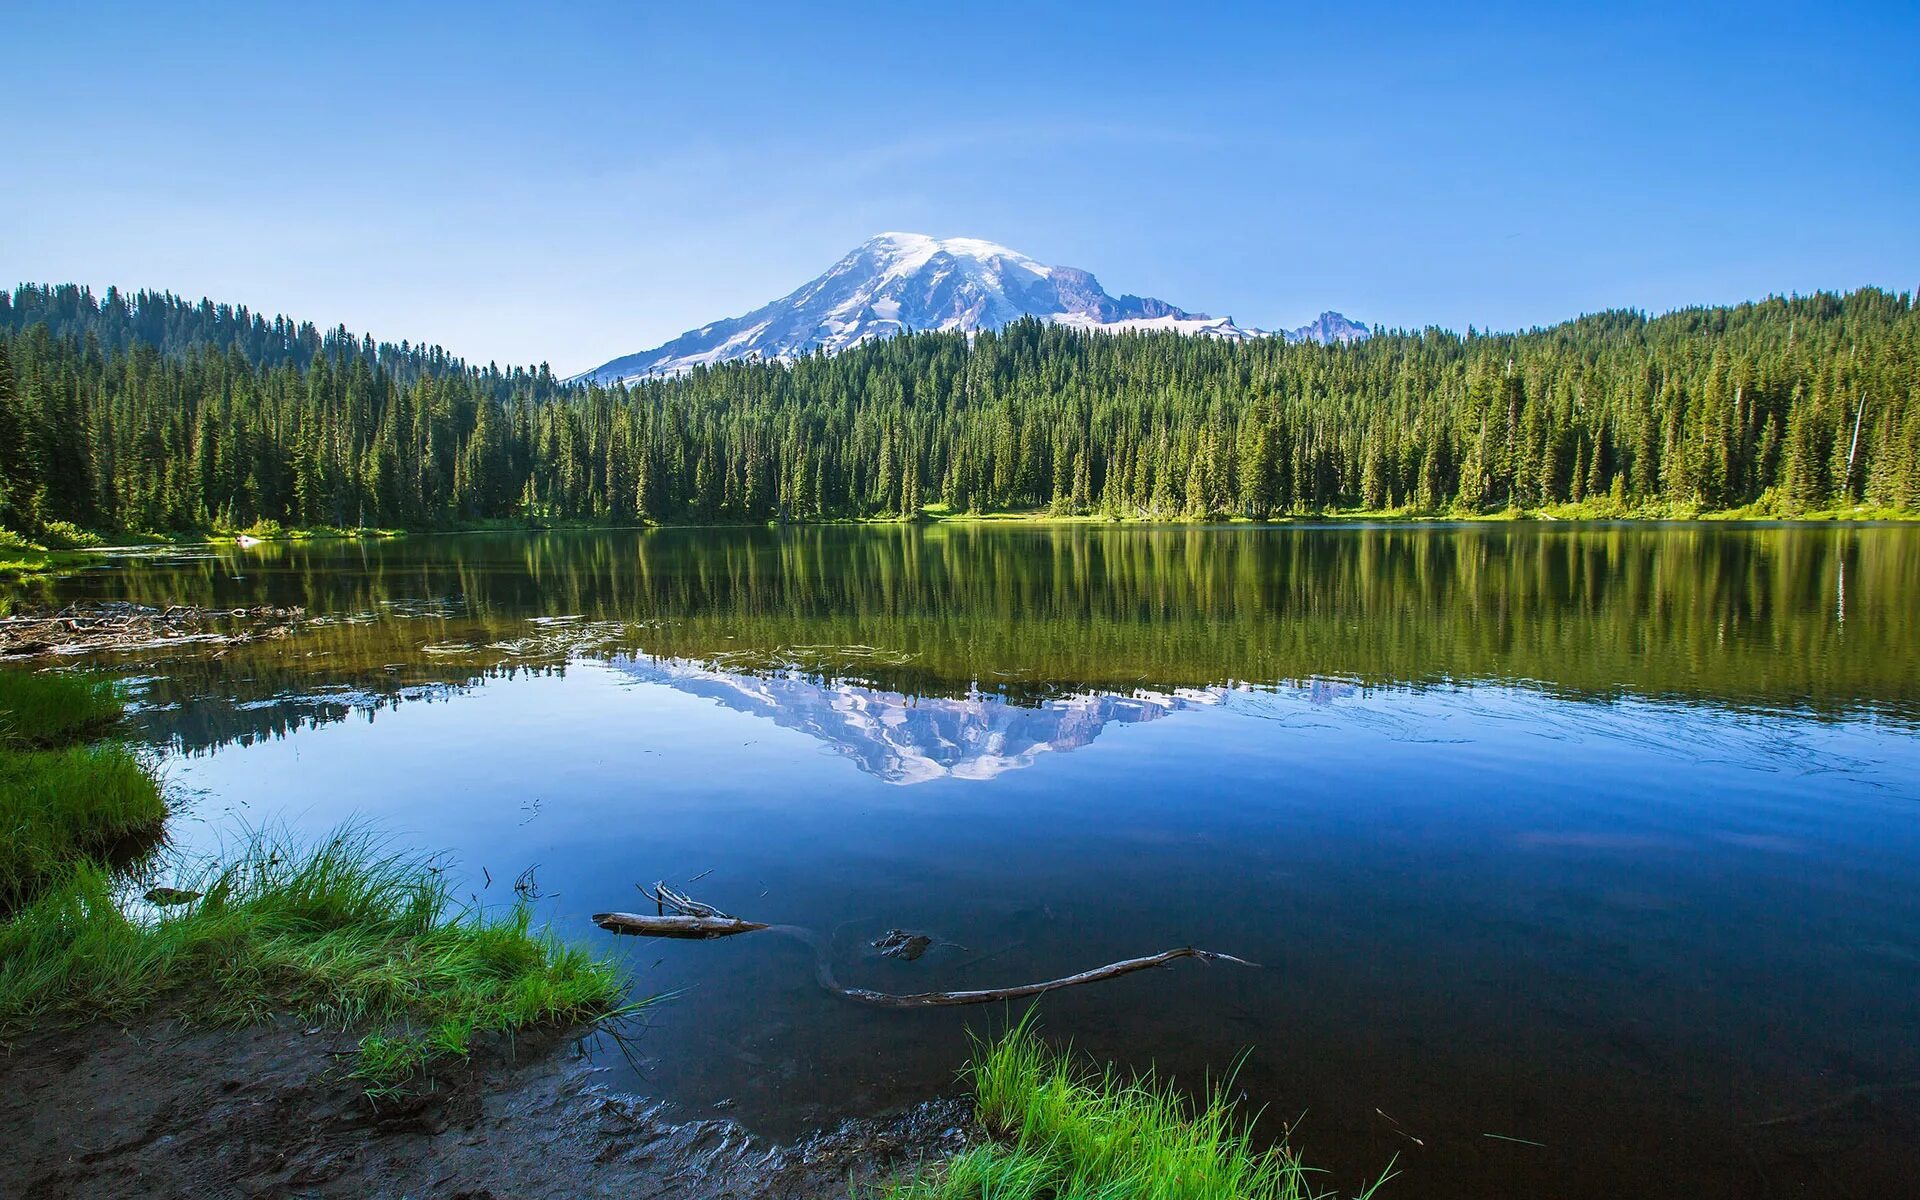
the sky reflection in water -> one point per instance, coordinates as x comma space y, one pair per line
1602, 838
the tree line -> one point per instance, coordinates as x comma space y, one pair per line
156, 414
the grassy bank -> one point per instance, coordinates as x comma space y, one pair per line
21, 558
343, 934
61, 802
1065, 1131
59, 807
39, 710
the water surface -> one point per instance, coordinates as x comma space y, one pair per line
1604, 838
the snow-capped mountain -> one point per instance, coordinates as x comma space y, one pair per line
909, 281
1329, 328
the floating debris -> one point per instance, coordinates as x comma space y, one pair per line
83, 628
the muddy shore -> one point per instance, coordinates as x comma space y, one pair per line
166, 1109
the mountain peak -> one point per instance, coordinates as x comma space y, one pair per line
897, 281
1329, 328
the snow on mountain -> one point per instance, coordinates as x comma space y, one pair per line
909, 281
1329, 328
914, 739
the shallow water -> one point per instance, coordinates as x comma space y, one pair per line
1600, 838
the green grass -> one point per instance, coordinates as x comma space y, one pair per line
1065, 1131
20, 558
343, 934
60, 805
39, 709
273, 531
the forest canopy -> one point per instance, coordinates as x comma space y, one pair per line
155, 414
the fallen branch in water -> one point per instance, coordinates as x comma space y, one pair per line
692, 919
990, 995
689, 918
677, 925
666, 898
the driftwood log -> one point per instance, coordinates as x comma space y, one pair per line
688, 918
675, 925
692, 919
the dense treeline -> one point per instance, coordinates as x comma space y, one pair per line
190, 416
165, 322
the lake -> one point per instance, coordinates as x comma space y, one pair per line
1579, 860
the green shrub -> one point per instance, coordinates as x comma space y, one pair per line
65, 535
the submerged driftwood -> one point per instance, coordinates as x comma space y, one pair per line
692, 919
990, 995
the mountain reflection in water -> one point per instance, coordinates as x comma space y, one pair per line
904, 739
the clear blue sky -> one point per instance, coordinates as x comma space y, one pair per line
526, 186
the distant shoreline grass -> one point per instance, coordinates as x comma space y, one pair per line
1594, 511
1061, 1130
20, 559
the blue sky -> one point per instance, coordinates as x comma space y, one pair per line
527, 186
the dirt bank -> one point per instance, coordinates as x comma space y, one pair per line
169, 1110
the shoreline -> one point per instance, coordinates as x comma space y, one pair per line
169, 1108
36, 562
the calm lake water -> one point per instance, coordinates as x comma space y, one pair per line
1603, 839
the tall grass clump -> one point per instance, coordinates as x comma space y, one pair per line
342, 934
38, 709
1063, 1130
58, 806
